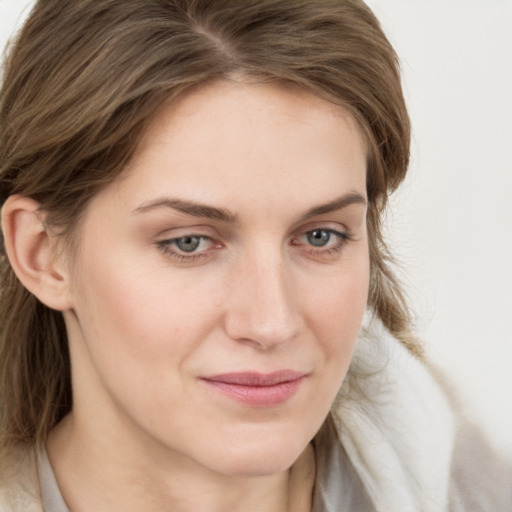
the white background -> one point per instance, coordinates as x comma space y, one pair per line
451, 224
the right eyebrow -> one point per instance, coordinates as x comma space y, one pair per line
336, 204
190, 208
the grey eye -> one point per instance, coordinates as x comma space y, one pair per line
187, 243
318, 237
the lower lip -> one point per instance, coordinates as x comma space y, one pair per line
258, 396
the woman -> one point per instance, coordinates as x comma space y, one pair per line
198, 311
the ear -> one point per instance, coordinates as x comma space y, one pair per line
32, 252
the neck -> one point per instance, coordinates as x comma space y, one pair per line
104, 475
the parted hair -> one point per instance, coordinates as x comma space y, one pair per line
82, 80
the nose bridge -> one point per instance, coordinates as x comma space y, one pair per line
263, 304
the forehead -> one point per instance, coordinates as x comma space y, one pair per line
234, 142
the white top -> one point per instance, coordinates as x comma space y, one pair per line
50, 493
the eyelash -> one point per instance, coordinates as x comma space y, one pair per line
166, 246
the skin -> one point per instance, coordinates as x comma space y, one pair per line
145, 324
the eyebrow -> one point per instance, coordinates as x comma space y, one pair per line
191, 208
336, 204
212, 212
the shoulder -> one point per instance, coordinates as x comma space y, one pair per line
19, 481
403, 433
481, 477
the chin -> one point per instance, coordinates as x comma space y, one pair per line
260, 457
252, 467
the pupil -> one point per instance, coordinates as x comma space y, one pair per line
188, 243
318, 237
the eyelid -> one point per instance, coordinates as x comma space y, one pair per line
179, 231
332, 227
322, 222
343, 234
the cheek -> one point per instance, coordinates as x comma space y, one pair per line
139, 326
337, 307
139, 334
335, 316
135, 297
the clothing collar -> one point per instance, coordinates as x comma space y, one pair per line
396, 425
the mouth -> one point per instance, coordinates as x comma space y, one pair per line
257, 389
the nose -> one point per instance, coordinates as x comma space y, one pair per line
262, 304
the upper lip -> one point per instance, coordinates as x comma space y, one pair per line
256, 378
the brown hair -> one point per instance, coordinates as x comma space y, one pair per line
84, 78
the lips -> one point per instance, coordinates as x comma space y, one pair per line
257, 389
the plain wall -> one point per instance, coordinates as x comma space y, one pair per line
451, 224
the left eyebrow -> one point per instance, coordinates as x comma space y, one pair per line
336, 204
190, 208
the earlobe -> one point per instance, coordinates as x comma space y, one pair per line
32, 252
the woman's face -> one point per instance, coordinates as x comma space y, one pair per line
220, 283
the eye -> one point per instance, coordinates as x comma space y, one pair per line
188, 243
189, 247
324, 238
318, 237
322, 242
